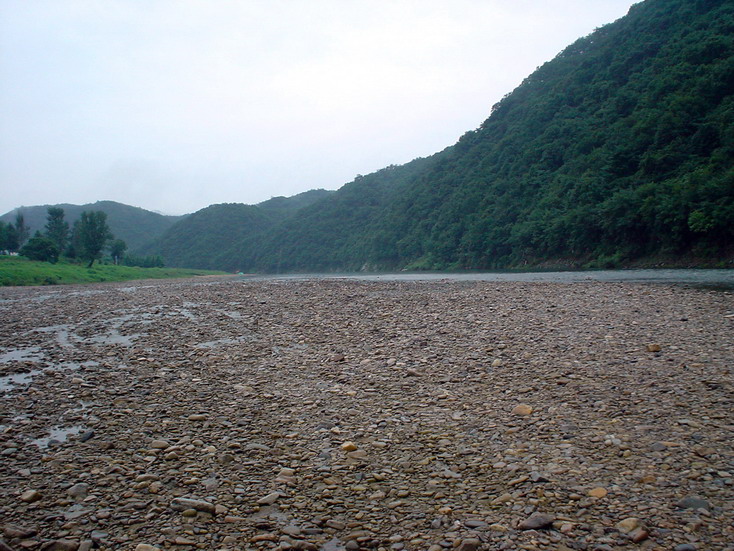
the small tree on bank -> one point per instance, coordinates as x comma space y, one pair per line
91, 236
117, 250
21, 229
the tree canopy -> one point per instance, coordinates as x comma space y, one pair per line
40, 248
57, 229
91, 235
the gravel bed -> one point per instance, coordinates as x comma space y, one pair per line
343, 415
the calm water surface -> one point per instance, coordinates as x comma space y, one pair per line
721, 279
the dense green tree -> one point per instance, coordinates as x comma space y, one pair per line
91, 236
8, 237
117, 250
40, 248
57, 229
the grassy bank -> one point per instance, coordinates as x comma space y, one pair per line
20, 271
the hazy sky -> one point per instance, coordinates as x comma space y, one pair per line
173, 105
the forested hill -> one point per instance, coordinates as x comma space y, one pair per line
133, 225
216, 236
620, 148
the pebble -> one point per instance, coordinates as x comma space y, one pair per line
336, 524
79, 491
628, 525
469, 544
598, 492
146, 547
476, 524
269, 499
13, 531
30, 496
537, 521
61, 545
693, 502
522, 410
184, 504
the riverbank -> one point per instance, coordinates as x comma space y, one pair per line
16, 271
339, 414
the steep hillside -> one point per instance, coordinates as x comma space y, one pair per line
133, 225
218, 236
620, 148
203, 239
340, 232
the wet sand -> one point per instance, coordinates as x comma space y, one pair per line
335, 414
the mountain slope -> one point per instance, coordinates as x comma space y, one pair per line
620, 148
133, 225
218, 236
330, 234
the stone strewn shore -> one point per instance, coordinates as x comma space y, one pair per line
351, 415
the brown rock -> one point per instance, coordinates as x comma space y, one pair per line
469, 544
183, 504
638, 535
537, 521
269, 499
13, 531
61, 545
598, 492
522, 410
30, 496
628, 525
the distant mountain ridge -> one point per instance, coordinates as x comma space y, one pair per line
217, 236
134, 225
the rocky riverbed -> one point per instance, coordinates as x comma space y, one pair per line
332, 414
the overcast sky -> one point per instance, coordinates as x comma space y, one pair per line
173, 105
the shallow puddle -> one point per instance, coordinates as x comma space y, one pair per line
114, 337
59, 435
8, 382
21, 355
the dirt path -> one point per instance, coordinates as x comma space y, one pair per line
219, 414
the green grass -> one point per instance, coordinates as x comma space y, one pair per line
16, 270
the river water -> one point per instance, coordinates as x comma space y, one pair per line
718, 279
